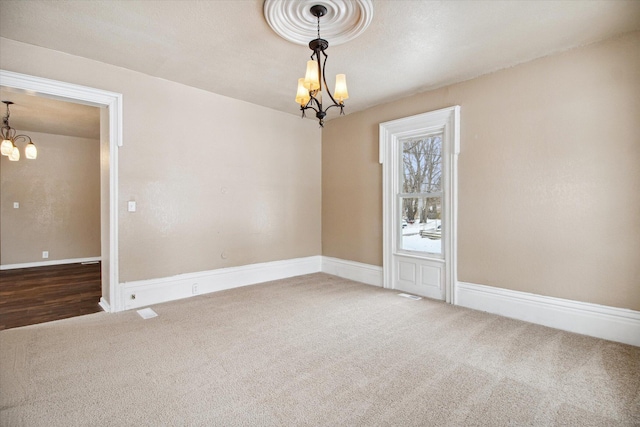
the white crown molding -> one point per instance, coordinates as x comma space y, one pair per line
600, 321
293, 21
47, 263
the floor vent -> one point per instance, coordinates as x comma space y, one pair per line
147, 313
413, 297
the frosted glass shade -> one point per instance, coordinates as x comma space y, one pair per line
312, 76
302, 97
6, 148
341, 93
30, 151
15, 154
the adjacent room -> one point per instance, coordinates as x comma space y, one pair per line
449, 235
50, 230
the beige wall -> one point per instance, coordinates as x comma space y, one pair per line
218, 182
59, 197
549, 176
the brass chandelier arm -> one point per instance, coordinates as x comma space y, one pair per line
7, 132
320, 112
336, 105
324, 79
20, 138
311, 107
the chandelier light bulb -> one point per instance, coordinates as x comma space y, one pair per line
341, 93
6, 148
312, 77
15, 154
302, 97
30, 151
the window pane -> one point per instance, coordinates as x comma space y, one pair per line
421, 224
422, 164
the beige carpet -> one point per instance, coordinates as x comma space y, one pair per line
312, 350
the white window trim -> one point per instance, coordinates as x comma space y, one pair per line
446, 120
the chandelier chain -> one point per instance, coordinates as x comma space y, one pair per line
5, 119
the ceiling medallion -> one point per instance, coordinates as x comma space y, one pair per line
343, 21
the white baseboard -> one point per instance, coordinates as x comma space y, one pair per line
104, 305
611, 323
154, 291
46, 263
352, 270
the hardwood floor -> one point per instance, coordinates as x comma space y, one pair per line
41, 294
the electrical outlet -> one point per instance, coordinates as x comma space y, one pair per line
45, 254
194, 289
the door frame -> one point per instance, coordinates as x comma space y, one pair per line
447, 120
111, 301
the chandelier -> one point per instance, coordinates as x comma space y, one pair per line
309, 94
9, 138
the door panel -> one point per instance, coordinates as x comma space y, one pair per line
406, 272
431, 276
419, 276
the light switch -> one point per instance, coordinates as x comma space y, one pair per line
16, 205
131, 206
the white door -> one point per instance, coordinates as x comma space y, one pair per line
419, 156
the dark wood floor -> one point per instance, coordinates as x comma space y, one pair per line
41, 294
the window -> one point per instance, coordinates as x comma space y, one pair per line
420, 194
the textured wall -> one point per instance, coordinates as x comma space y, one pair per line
549, 176
218, 182
59, 197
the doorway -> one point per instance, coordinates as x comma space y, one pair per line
110, 139
419, 157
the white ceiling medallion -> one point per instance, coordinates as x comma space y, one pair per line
292, 20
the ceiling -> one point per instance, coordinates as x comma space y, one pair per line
228, 48
36, 114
